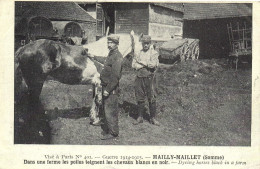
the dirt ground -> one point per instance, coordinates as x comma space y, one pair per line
200, 103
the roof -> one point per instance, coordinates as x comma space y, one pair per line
197, 11
68, 10
173, 6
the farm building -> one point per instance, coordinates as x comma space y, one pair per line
35, 20
160, 20
208, 23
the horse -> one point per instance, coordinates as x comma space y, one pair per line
66, 64
128, 44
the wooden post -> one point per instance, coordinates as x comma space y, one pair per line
229, 36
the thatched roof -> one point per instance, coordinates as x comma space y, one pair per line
52, 10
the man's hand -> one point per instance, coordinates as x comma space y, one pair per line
151, 65
105, 93
141, 63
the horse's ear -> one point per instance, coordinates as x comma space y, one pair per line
132, 33
107, 31
141, 36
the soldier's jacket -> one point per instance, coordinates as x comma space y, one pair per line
111, 73
149, 62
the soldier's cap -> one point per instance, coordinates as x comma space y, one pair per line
146, 38
113, 38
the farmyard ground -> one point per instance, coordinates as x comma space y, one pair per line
200, 103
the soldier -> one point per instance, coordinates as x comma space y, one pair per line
110, 77
145, 64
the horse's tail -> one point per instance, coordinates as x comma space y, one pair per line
18, 78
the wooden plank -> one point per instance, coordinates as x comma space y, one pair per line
165, 16
131, 17
99, 21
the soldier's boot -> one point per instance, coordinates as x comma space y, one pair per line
141, 109
108, 137
152, 109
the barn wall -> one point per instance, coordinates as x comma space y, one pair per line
89, 28
100, 21
164, 23
131, 16
213, 34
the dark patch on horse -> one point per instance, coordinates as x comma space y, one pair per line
30, 127
63, 74
81, 59
50, 50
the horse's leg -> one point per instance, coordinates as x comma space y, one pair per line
93, 111
91, 76
96, 106
94, 119
35, 84
35, 119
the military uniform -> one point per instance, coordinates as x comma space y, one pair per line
110, 77
145, 64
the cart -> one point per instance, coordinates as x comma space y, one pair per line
179, 49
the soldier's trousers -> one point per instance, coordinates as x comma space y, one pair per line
109, 117
145, 89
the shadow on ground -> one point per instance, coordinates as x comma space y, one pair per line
32, 126
132, 110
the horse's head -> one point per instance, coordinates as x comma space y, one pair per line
127, 42
76, 40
